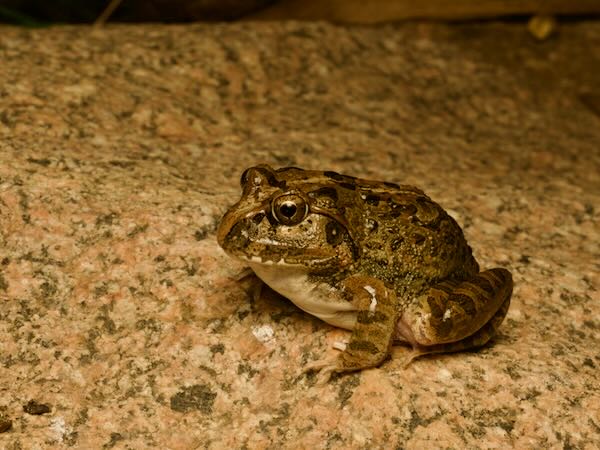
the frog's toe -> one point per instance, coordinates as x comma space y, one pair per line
325, 369
408, 359
416, 351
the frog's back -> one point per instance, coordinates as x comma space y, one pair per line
405, 238
412, 242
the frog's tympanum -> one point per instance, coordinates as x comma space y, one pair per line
380, 259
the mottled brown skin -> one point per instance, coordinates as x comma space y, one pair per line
378, 258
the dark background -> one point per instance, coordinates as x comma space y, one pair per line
40, 12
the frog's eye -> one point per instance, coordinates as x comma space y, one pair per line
289, 209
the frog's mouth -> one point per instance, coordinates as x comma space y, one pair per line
257, 253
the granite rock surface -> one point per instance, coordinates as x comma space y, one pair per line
123, 324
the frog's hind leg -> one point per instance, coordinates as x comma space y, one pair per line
478, 339
453, 316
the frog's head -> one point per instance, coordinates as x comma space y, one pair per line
289, 217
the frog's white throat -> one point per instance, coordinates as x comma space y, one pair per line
319, 299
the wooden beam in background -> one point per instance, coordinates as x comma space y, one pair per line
374, 11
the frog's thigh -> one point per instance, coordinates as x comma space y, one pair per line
373, 333
477, 339
452, 311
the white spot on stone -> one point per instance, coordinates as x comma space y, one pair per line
514, 314
339, 345
373, 305
447, 314
263, 333
59, 428
444, 374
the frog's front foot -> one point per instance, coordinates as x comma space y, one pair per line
251, 283
327, 366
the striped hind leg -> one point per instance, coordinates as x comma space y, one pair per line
453, 316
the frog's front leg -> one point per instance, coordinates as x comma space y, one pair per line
372, 336
453, 316
251, 283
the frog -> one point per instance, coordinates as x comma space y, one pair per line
377, 258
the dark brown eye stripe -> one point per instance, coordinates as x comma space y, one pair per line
342, 179
333, 175
328, 192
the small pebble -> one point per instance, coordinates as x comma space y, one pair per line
35, 408
5, 424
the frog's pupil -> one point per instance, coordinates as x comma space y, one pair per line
288, 210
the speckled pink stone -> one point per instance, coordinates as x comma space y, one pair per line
121, 148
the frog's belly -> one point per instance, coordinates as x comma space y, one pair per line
318, 299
